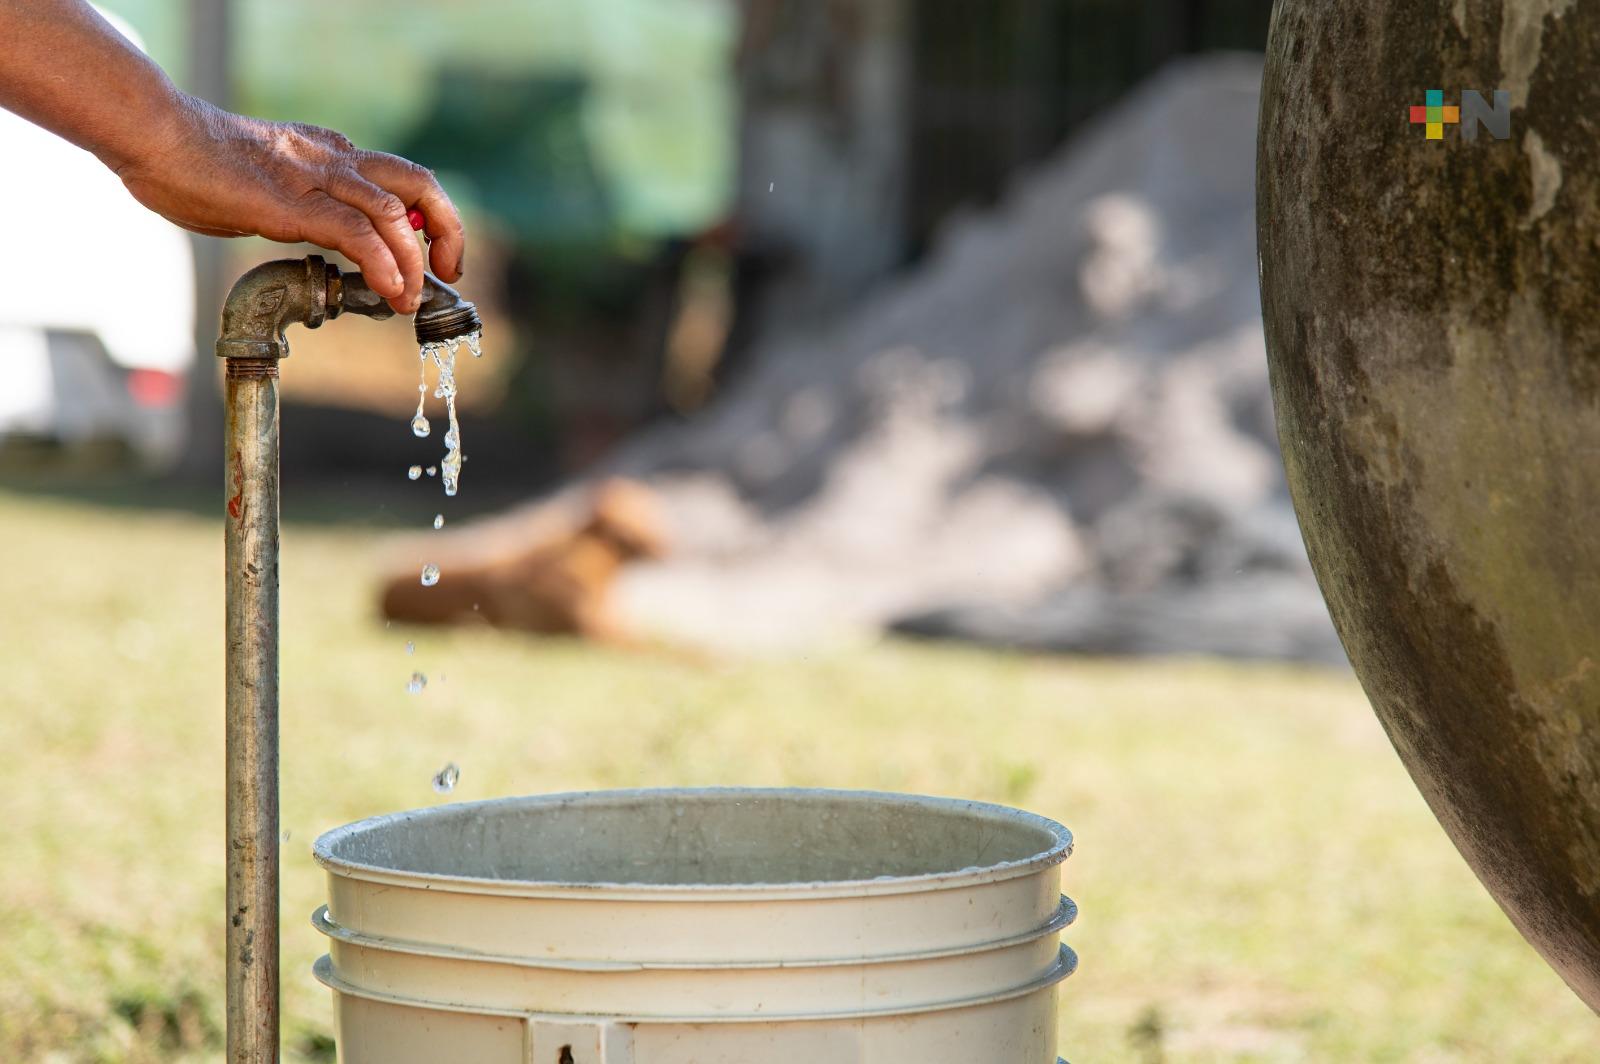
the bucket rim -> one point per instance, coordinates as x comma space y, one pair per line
1065, 914
1059, 850
1064, 968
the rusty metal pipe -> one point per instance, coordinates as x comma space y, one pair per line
261, 305
251, 401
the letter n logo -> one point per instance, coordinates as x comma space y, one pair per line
1475, 110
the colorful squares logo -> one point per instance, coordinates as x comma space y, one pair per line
1434, 115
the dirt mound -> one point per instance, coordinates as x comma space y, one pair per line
1055, 433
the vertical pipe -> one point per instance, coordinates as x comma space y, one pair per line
251, 457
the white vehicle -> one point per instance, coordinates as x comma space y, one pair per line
96, 302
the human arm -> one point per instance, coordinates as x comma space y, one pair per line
210, 171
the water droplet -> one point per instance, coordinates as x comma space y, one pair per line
444, 781
475, 344
438, 521
411, 648
430, 575
418, 682
420, 426
414, 473
433, 470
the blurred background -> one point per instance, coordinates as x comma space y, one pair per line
873, 394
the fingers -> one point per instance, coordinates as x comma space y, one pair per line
330, 223
417, 187
301, 183
387, 214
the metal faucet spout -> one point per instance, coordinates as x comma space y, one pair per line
443, 314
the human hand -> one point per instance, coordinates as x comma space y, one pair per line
223, 174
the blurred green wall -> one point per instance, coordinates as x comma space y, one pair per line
655, 117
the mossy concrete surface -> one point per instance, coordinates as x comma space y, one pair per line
1433, 328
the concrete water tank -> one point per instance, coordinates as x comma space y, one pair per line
1432, 303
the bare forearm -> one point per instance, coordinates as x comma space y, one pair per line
65, 68
218, 173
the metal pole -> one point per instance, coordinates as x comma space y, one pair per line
251, 457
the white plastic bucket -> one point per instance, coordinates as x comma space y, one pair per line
722, 926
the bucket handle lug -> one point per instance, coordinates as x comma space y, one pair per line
595, 1042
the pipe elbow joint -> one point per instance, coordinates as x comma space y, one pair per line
268, 299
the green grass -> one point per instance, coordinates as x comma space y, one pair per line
1258, 879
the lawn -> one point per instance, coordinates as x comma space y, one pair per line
1258, 879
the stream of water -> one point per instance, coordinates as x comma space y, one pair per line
443, 356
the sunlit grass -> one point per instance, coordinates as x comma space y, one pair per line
1258, 879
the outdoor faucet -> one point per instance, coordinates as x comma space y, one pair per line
309, 291
262, 303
